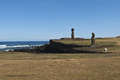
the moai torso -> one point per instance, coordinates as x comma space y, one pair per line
72, 35
93, 39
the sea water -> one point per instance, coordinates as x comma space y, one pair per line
13, 45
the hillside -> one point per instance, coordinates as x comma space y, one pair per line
84, 45
78, 46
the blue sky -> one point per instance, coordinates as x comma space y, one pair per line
36, 20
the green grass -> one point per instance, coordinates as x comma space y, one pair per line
87, 42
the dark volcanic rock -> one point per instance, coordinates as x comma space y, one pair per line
58, 47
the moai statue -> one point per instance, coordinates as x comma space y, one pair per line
72, 35
93, 39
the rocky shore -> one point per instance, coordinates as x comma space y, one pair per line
55, 46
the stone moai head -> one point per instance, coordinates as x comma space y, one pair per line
72, 35
72, 29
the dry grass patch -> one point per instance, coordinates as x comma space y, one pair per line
61, 69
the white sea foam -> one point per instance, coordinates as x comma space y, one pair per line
21, 46
17, 46
12, 48
35, 45
9, 46
9, 50
3, 46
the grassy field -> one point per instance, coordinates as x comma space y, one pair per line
99, 41
84, 66
29, 66
112, 44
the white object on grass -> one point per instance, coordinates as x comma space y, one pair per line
105, 49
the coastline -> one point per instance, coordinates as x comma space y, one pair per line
13, 45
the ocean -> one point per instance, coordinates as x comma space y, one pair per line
13, 45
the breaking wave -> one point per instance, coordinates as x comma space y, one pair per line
6, 46
3, 46
10, 46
